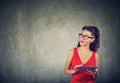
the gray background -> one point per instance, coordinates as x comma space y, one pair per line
36, 35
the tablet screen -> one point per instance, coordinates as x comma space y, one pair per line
84, 68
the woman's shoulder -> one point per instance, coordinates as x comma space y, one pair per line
71, 51
96, 54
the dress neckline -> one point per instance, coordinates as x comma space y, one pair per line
86, 60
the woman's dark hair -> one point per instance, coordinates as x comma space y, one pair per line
95, 32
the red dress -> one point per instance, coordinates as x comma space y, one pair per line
82, 77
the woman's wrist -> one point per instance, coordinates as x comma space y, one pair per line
94, 75
73, 71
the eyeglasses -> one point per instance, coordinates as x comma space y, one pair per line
85, 37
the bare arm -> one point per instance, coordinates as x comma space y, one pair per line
67, 69
97, 63
96, 72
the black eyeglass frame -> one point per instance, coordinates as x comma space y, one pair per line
83, 36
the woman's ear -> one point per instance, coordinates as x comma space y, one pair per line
92, 40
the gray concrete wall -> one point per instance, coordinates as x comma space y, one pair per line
36, 35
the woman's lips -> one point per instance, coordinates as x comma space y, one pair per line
81, 41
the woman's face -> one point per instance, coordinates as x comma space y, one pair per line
86, 38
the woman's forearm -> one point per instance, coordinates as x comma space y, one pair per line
69, 72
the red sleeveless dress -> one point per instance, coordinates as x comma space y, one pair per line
82, 77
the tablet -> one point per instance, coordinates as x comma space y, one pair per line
84, 68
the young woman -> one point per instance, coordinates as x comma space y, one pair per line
85, 54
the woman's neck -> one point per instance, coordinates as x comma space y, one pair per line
84, 48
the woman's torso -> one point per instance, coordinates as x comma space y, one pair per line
82, 76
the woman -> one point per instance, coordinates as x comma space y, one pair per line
85, 54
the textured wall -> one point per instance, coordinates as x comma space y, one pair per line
35, 37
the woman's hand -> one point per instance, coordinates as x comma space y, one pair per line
76, 68
93, 73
